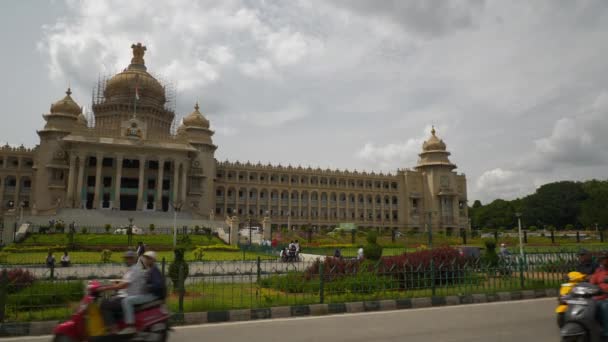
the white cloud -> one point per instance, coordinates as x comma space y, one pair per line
221, 55
260, 68
279, 117
365, 74
290, 47
501, 183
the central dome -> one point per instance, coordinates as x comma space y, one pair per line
135, 82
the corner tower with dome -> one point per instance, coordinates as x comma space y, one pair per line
127, 162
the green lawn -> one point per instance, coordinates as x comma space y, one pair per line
112, 240
211, 296
95, 257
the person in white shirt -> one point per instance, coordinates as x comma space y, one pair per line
360, 253
133, 283
65, 259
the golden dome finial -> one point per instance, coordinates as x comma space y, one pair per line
138, 54
196, 107
68, 92
433, 130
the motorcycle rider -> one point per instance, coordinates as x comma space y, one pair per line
586, 265
132, 283
148, 259
598, 278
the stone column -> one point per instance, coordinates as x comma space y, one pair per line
158, 200
234, 230
79, 184
184, 183
309, 206
117, 181
71, 176
266, 228
175, 181
2, 185
98, 164
17, 190
141, 184
5, 162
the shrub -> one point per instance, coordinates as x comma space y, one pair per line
372, 252
3, 257
106, 256
532, 228
108, 227
185, 242
59, 227
174, 268
333, 268
196, 229
372, 238
199, 253
44, 294
84, 230
490, 257
413, 270
33, 249
219, 248
151, 227
18, 279
569, 227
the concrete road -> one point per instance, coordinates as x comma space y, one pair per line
522, 321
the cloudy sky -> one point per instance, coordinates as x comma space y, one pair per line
517, 89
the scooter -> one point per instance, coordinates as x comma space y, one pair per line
572, 279
581, 320
87, 324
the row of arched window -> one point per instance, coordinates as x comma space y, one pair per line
232, 195
275, 178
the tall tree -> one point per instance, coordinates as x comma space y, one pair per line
594, 209
555, 204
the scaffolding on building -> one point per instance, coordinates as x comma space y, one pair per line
98, 97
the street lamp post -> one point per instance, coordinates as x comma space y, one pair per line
177, 206
289, 221
130, 232
521, 245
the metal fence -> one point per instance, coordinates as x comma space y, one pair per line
260, 284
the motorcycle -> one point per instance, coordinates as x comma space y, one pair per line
581, 317
572, 279
87, 324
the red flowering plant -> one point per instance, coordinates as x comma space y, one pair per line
414, 270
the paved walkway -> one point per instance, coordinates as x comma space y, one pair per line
522, 321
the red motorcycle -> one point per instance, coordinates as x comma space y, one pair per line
87, 324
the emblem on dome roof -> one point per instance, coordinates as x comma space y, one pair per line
138, 53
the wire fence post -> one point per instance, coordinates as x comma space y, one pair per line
521, 272
162, 268
181, 281
259, 270
321, 282
3, 293
52, 266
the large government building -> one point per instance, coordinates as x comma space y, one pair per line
130, 159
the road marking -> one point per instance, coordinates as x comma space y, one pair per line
334, 316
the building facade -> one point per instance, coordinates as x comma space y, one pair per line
130, 160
